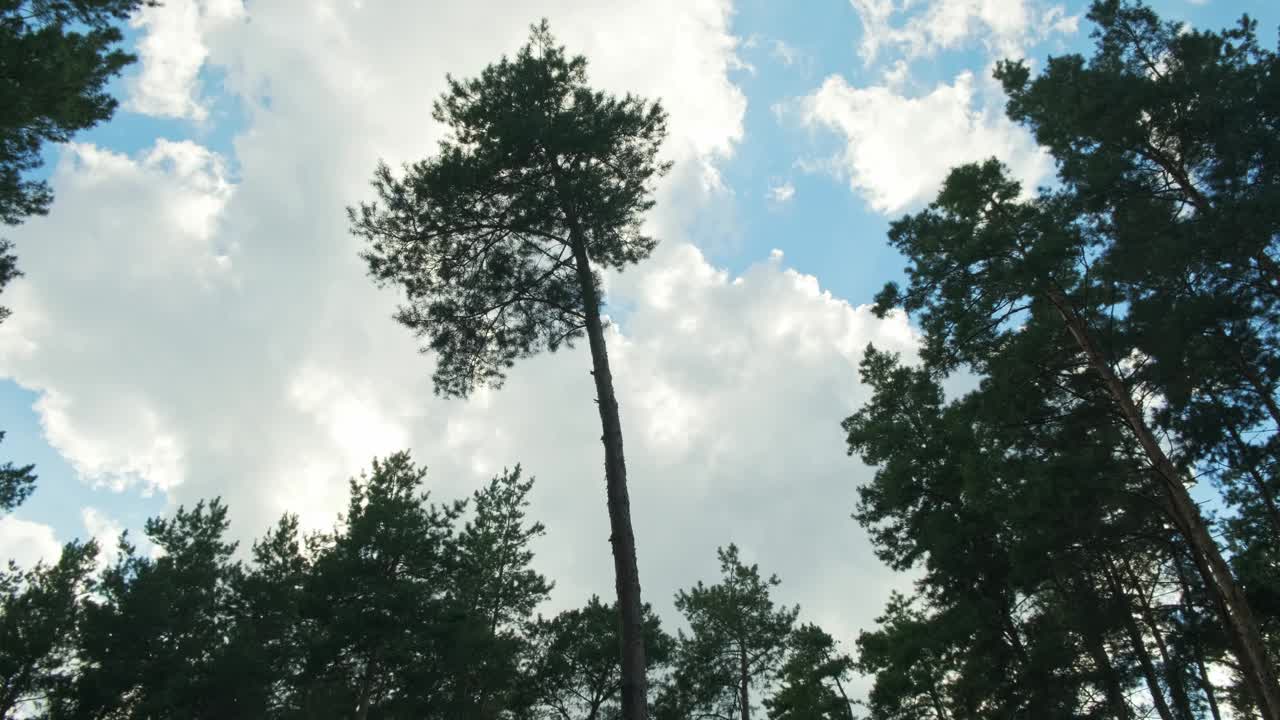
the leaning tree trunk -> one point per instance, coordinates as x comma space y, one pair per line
1232, 605
635, 704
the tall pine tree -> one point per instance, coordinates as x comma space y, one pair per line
497, 239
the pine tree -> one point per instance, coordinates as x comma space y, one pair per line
575, 672
40, 612
496, 242
995, 279
154, 634
812, 680
737, 639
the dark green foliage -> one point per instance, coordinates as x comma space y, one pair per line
405, 609
154, 633
480, 237
737, 639
385, 569
575, 670
39, 614
56, 58
401, 611
16, 483
1149, 273
812, 680
8, 271
975, 501
496, 242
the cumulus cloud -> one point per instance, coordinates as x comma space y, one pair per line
172, 51
133, 247
26, 543
1005, 27
898, 148
196, 337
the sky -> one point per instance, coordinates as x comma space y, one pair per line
194, 320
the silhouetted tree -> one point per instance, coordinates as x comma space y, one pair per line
497, 239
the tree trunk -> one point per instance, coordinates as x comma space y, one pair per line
1101, 660
937, 704
1172, 678
1136, 641
1259, 388
848, 704
635, 704
366, 689
744, 677
1230, 598
1259, 482
1110, 681
1206, 685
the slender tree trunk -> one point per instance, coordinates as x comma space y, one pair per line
366, 690
744, 677
1259, 482
848, 704
1110, 680
1136, 641
635, 704
1264, 393
937, 704
1206, 685
1231, 601
1172, 678
1098, 653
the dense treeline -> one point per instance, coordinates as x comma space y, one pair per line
408, 608
1121, 327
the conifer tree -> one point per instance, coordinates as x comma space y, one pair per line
497, 242
737, 640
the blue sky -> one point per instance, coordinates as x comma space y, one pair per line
336, 381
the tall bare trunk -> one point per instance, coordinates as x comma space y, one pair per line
635, 704
1234, 608
744, 678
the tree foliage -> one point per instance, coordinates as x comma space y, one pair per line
497, 241
482, 236
737, 639
56, 58
1122, 328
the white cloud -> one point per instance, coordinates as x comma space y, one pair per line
26, 542
898, 149
134, 253
896, 75
781, 193
106, 531
206, 339
1005, 27
171, 51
